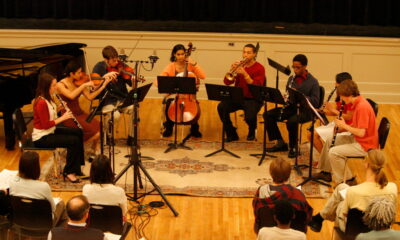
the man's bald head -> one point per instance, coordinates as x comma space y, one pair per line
77, 207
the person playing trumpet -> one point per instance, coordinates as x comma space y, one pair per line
247, 71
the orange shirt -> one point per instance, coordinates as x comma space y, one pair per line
364, 117
170, 70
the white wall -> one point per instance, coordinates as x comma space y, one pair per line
373, 62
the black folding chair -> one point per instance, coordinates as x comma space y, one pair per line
106, 218
354, 225
25, 140
31, 217
266, 219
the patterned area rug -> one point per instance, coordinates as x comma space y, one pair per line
189, 172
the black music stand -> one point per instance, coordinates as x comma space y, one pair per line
298, 98
134, 97
265, 94
279, 68
223, 93
315, 116
140, 93
177, 85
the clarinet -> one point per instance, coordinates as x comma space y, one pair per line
336, 127
323, 106
67, 109
286, 97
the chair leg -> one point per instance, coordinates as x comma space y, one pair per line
344, 170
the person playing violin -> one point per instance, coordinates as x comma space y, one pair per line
70, 89
178, 61
252, 72
117, 88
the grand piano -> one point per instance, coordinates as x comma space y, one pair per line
19, 71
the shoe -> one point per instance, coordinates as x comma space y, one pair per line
324, 176
196, 134
91, 157
352, 181
167, 132
65, 176
292, 153
279, 147
129, 141
232, 138
315, 225
251, 136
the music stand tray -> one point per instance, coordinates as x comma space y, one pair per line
224, 93
140, 92
176, 85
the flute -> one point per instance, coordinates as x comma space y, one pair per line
67, 109
336, 127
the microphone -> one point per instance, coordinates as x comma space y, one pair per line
287, 70
122, 56
153, 58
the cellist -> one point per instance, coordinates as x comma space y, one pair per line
178, 60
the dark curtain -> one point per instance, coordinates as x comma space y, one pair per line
381, 13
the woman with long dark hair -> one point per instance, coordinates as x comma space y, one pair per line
48, 133
179, 59
70, 91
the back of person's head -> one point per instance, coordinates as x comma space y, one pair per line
109, 52
280, 170
43, 86
301, 58
380, 214
348, 88
29, 166
376, 162
100, 170
340, 77
77, 208
283, 212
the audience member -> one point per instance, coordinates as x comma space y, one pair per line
267, 195
359, 196
26, 184
283, 215
379, 216
78, 212
101, 189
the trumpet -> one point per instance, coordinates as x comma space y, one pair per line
67, 109
232, 73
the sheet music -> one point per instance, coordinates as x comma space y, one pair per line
5, 178
315, 112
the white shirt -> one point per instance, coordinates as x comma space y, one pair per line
275, 233
106, 194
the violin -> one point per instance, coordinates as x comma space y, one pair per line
125, 72
94, 77
188, 110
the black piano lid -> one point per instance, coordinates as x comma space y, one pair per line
34, 53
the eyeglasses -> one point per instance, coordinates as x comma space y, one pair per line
297, 67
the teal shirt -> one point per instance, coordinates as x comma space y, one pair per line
379, 235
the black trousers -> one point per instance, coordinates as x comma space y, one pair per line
290, 114
72, 140
170, 124
250, 107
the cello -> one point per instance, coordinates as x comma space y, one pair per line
188, 108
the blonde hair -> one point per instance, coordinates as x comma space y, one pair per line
376, 161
